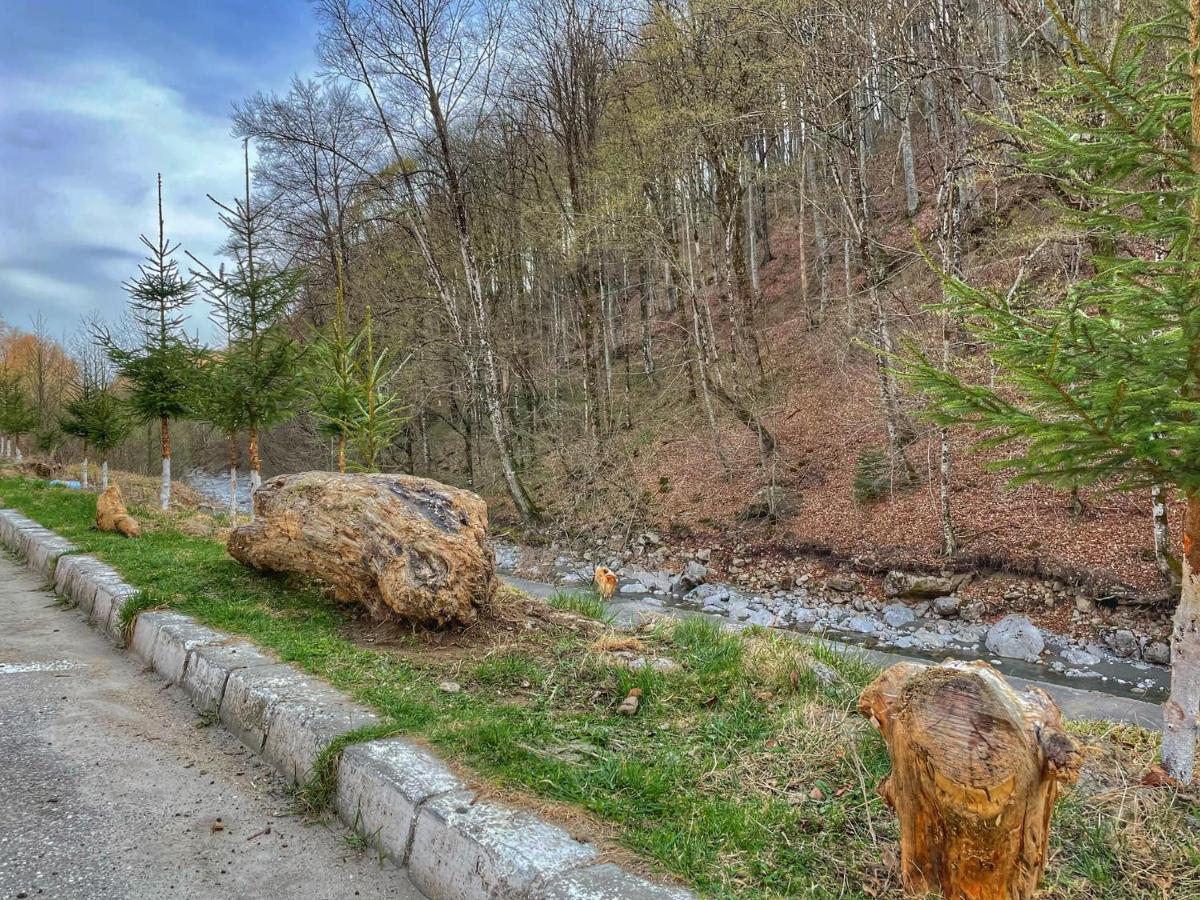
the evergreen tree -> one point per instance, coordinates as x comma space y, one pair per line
351, 389
75, 411
379, 413
220, 404
251, 301
1102, 385
332, 379
159, 370
98, 417
17, 414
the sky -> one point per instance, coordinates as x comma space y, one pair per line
96, 98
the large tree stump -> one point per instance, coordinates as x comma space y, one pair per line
975, 774
407, 548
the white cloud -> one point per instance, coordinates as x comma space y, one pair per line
85, 143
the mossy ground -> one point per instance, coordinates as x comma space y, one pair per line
744, 773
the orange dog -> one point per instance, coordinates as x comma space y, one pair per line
606, 582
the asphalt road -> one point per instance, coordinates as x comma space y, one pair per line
111, 787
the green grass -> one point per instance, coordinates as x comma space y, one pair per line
583, 603
712, 781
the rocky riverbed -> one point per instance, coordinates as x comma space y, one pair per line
924, 616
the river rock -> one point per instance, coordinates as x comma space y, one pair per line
634, 587
1122, 642
693, 575
973, 611
802, 615
1157, 652
708, 593
655, 581
826, 675
843, 584
406, 548
861, 625
507, 557
897, 614
946, 607
1077, 656
909, 584
1016, 638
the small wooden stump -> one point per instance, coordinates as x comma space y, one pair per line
111, 514
975, 774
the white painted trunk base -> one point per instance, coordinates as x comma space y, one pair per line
255, 484
233, 509
165, 492
1180, 727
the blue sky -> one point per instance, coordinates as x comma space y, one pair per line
98, 96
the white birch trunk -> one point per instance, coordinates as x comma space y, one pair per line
1162, 530
912, 199
949, 539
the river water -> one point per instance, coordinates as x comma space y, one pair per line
215, 489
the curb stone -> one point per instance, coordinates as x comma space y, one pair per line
397, 795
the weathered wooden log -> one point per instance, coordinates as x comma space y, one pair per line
975, 773
111, 514
407, 548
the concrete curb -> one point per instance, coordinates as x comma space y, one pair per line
397, 795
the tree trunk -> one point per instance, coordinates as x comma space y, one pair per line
975, 774
1162, 531
165, 491
104, 475
912, 199
255, 465
233, 483
949, 538
84, 480
341, 452
1180, 712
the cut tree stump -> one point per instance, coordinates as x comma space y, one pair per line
407, 548
111, 514
975, 774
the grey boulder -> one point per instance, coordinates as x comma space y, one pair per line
1015, 637
897, 614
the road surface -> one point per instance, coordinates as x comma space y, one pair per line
111, 787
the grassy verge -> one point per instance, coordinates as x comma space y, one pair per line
744, 773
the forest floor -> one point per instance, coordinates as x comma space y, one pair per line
745, 772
